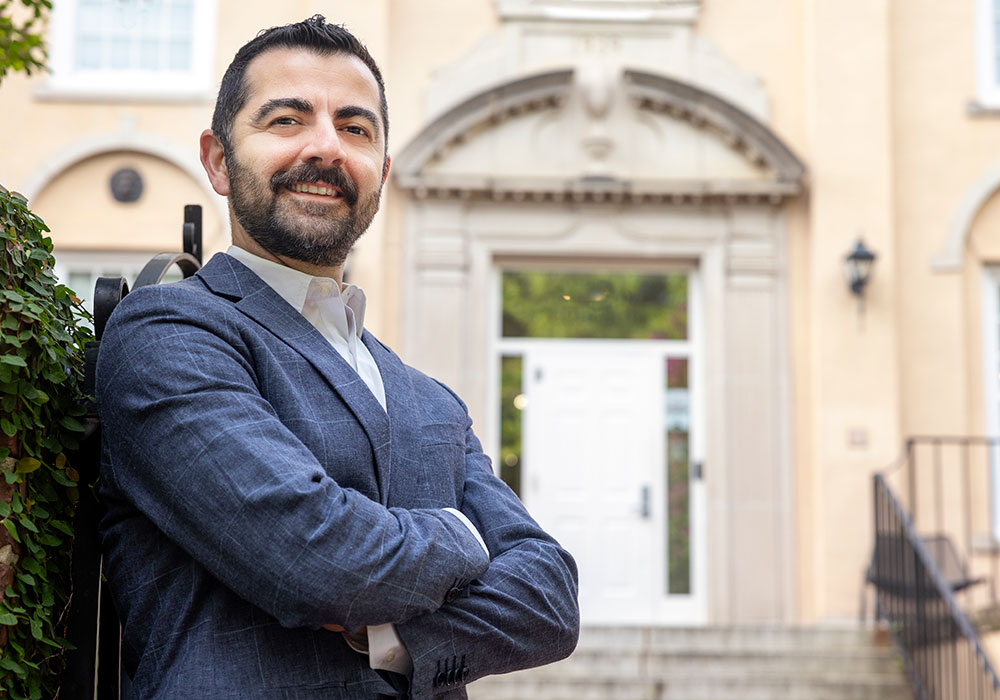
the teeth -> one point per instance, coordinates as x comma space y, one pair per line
313, 189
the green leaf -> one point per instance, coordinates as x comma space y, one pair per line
61, 479
8, 428
26, 465
71, 424
13, 360
7, 619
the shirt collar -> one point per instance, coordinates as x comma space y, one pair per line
294, 286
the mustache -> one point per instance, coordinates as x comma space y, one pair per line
307, 172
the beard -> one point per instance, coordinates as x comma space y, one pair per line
312, 232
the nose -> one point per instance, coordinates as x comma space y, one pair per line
324, 147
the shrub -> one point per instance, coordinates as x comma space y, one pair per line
41, 374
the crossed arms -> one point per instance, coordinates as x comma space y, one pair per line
241, 477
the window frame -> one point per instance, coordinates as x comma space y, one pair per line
987, 54
66, 81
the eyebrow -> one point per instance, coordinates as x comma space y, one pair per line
364, 113
296, 103
305, 106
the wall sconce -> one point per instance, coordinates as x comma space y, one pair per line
858, 269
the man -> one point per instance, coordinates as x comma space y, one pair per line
292, 512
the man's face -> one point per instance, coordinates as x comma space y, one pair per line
307, 161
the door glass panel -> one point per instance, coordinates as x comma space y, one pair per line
512, 403
678, 419
539, 304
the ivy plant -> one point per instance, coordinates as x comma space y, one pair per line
21, 45
42, 334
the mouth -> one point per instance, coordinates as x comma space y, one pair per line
320, 189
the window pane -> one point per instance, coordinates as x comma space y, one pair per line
151, 16
149, 54
90, 16
594, 305
678, 420
181, 19
180, 55
512, 402
88, 52
121, 53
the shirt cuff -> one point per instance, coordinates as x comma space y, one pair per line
472, 528
386, 651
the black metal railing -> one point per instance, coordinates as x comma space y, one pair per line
93, 670
944, 657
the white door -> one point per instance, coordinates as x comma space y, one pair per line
597, 440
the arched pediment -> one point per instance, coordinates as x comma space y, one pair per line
587, 133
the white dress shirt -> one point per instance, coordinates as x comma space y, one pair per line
338, 312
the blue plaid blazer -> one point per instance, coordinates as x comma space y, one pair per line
256, 490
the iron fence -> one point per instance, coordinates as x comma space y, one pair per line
943, 654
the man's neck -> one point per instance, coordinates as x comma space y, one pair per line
244, 241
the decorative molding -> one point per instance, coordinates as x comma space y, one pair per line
486, 109
551, 90
952, 254
603, 190
740, 130
126, 139
633, 11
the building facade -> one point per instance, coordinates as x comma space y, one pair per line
617, 228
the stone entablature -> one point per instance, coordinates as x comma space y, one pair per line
675, 11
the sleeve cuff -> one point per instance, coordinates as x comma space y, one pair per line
472, 528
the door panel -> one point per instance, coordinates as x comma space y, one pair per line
594, 454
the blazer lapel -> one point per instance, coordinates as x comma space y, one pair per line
403, 426
228, 277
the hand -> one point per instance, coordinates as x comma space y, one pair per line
334, 628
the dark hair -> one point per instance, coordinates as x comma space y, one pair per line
313, 34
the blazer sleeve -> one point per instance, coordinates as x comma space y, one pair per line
522, 612
193, 445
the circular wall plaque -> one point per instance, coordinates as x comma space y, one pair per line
126, 185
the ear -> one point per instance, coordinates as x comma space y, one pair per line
385, 168
213, 159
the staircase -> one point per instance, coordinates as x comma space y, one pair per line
713, 663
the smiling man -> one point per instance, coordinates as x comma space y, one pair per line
292, 512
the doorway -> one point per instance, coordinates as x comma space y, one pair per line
600, 406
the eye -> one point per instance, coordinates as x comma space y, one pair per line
284, 121
356, 129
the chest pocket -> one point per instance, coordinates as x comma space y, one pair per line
441, 458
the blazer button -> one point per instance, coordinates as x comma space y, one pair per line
465, 673
452, 594
440, 679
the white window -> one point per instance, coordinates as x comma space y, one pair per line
145, 49
991, 379
988, 53
79, 269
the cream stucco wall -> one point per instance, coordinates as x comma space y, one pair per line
872, 95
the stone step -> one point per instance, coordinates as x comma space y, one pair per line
799, 662
713, 663
727, 637
682, 689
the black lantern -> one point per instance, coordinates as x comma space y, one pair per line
858, 268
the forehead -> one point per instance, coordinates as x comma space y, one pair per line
298, 72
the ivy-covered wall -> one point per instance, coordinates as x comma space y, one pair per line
41, 373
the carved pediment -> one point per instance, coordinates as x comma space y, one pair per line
598, 133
